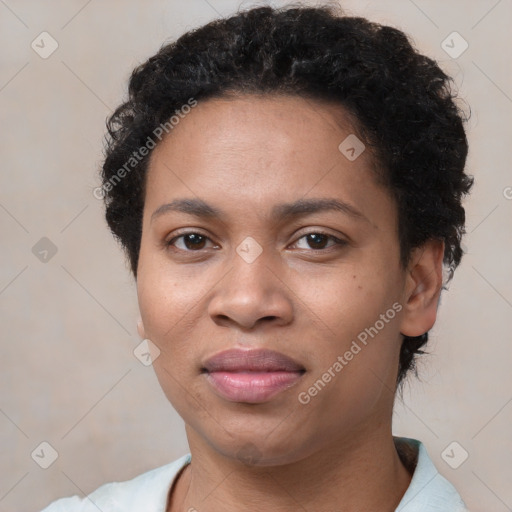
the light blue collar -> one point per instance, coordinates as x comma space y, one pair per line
428, 491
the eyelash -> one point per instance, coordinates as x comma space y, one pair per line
338, 242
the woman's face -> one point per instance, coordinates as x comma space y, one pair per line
233, 267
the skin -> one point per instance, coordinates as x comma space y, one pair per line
244, 155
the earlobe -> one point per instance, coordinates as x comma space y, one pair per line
140, 329
422, 289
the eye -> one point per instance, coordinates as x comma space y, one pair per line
318, 240
195, 242
190, 241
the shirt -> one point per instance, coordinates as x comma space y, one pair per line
428, 490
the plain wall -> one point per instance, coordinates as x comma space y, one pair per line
69, 376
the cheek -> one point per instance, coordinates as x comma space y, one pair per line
166, 305
167, 297
346, 300
353, 370
357, 319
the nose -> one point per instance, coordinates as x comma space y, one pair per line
251, 294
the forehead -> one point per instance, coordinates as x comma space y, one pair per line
263, 123
258, 149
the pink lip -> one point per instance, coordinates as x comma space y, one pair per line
251, 376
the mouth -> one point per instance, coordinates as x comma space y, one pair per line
251, 376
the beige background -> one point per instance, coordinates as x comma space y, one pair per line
69, 376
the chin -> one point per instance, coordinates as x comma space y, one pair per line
255, 448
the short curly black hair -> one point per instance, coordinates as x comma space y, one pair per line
403, 103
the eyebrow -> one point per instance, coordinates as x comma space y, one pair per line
280, 212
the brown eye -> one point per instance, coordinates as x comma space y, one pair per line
318, 241
189, 242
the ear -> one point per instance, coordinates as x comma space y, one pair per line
423, 283
140, 328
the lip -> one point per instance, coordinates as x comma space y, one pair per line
251, 376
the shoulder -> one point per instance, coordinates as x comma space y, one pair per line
147, 492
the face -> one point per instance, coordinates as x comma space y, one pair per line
260, 234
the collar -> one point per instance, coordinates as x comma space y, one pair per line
428, 491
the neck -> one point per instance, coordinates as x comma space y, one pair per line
352, 474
